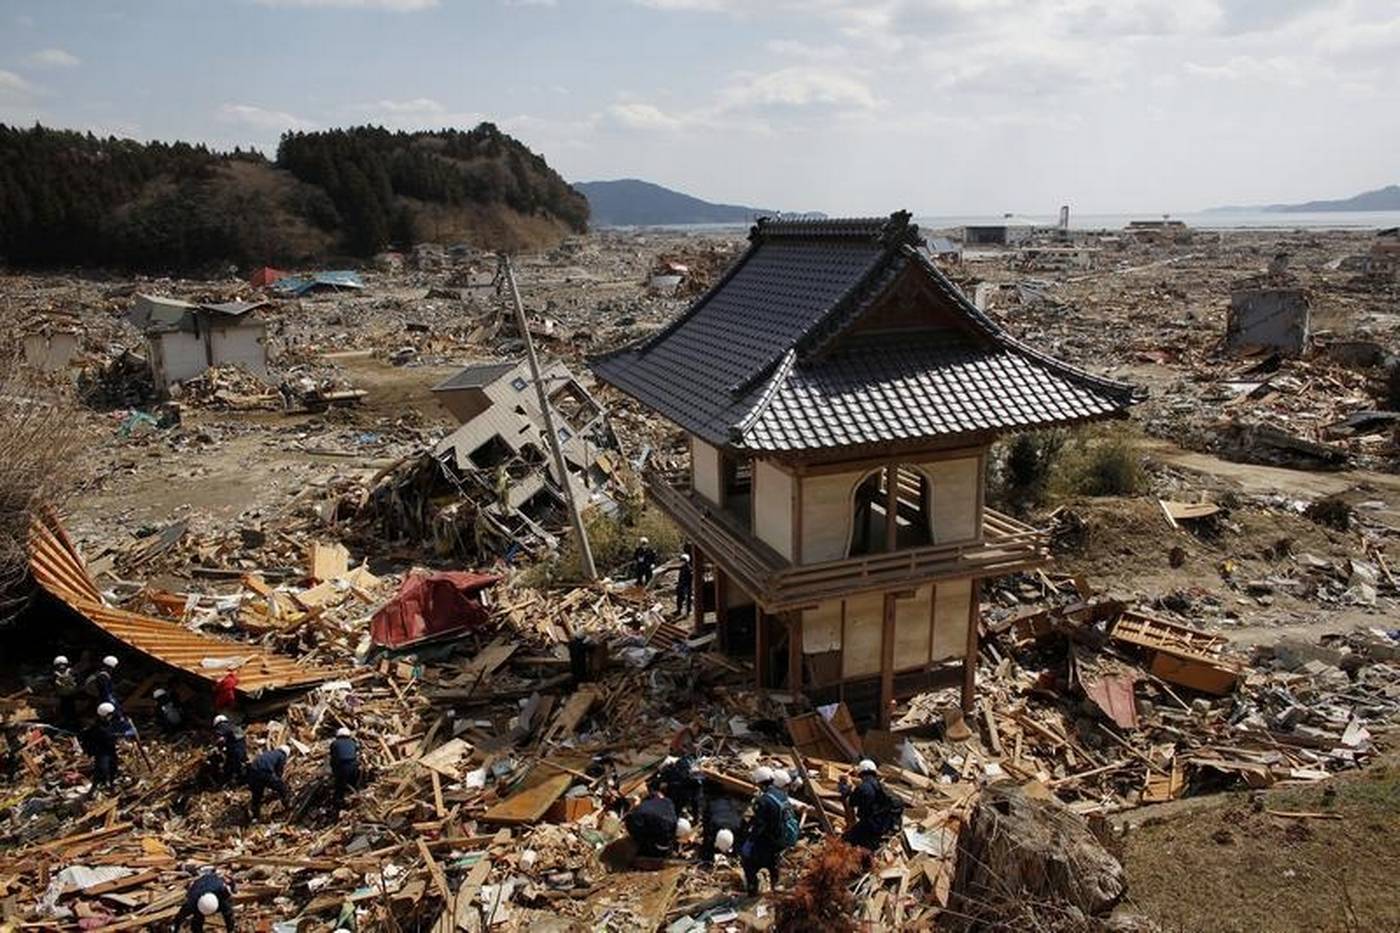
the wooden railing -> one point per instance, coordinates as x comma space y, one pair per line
1007, 546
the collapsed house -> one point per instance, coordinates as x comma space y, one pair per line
50, 346
183, 339
1383, 261
840, 396
1012, 231
297, 286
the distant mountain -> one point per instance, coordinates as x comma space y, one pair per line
1382, 199
630, 202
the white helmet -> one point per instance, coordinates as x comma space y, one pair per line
159, 692
643, 540
344, 732
60, 661
105, 709
683, 829
208, 904
762, 774
867, 766
109, 662
286, 750
220, 719
668, 761
781, 777
724, 840
685, 557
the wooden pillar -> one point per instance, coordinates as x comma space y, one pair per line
887, 663
697, 585
761, 667
722, 608
795, 651
974, 617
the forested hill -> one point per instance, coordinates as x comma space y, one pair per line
74, 199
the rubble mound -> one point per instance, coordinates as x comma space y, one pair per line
123, 381
1026, 859
228, 388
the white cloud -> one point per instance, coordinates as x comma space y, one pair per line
54, 58
262, 119
418, 105
637, 116
393, 6
14, 89
798, 87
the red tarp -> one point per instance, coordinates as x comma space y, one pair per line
265, 276
430, 604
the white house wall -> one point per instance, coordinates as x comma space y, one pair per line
826, 515
957, 513
912, 620
704, 466
244, 346
865, 632
180, 355
951, 610
821, 628
772, 492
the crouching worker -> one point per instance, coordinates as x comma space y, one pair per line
206, 896
652, 825
264, 774
345, 764
872, 813
722, 822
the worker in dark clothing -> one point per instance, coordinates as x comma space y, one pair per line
169, 713
234, 747
206, 896
684, 783
345, 764
99, 742
644, 561
763, 844
66, 689
872, 815
652, 825
721, 827
264, 774
685, 582
100, 683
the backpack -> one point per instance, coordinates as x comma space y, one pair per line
789, 829
891, 810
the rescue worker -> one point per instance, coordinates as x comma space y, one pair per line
652, 825
644, 561
685, 582
264, 774
763, 844
684, 783
235, 748
207, 895
169, 713
721, 826
781, 779
98, 741
65, 687
872, 815
345, 764
100, 683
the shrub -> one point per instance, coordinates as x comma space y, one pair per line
1331, 511
612, 538
1102, 463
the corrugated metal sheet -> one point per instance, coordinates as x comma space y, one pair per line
57, 566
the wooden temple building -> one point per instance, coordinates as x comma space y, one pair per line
840, 395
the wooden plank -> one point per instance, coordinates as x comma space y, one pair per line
435, 870
529, 805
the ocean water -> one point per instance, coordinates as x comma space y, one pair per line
1202, 220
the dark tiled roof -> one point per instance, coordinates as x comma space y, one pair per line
764, 361
475, 375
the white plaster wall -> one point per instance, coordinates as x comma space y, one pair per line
865, 629
773, 507
240, 346
704, 469
821, 628
956, 517
181, 356
912, 618
950, 618
826, 515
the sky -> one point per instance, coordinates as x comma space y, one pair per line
845, 106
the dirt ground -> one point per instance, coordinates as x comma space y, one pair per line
1227, 864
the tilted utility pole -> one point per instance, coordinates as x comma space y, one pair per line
585, 552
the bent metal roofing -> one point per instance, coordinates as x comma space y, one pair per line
765, 360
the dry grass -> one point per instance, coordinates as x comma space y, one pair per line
38, 439
822, 899
1233, 867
